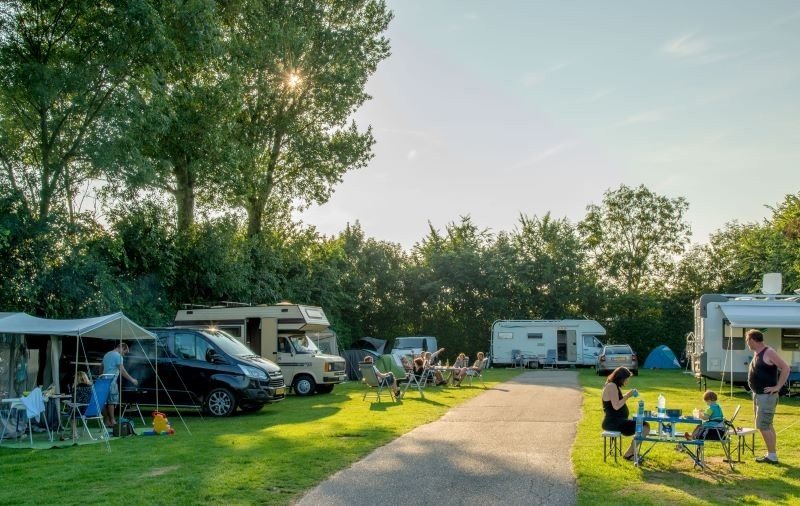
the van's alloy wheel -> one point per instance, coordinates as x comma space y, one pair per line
220, 402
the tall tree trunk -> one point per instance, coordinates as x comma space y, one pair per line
255, 216
184, 198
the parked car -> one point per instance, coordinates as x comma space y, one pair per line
616, 355
205, 369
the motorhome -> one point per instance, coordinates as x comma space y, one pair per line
716, 348
557, 342
283, 333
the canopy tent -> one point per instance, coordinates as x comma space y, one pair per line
662, 357
761, 315
113, 327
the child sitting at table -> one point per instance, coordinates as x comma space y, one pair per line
713, 417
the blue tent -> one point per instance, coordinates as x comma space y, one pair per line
662, 358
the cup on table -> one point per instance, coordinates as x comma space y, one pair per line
696, 413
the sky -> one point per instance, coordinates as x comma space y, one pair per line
499, 109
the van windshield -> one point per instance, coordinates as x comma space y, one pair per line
302, 344
228, 344
408, 342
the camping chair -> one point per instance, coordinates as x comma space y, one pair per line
549, 360
371, 381
478, 373
516, 358
721, 432
33, 406
741, 434
94, 410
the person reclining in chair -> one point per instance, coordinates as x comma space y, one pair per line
384, 378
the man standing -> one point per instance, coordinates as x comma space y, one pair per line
112, 364
765, 383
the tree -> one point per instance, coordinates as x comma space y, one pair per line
62, 63
635, 236
174, 134
301, 67
550, 275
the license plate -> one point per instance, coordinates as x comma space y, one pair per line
280, 391
620, 359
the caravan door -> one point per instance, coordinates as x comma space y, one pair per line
567, 346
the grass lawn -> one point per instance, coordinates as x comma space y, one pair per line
272, 456
667, 476
269, 457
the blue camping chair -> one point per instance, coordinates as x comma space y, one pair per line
549, 360
94, 410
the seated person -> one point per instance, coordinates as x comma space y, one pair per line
477, 366
419, 366
82, 396
459, 369
710, 429
438, 379
406, 365
384, 379
617, 417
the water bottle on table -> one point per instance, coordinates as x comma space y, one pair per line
639, 419
662, 406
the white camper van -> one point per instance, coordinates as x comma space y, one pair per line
557, 342
717, 349
284, 333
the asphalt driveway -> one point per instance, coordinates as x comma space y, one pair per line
510, 445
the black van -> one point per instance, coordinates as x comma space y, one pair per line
208, 369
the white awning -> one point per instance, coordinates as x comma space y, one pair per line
115, 326
761, 316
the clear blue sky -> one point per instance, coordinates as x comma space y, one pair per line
492, 109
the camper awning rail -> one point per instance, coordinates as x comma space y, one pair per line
783, 315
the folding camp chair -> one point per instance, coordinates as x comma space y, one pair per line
94, 410
722, 432
549, 360
741, 434
412, 380
372, 383
478, 373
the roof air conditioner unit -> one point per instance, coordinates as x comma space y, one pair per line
772, 284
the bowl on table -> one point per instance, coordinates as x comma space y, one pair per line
674, 413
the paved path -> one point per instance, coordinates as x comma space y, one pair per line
510, 445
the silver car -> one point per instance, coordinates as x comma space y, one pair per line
616, 355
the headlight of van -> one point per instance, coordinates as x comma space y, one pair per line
253, 372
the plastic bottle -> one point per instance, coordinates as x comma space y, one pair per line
662, 406
639, 419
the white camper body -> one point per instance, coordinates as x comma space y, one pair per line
284, 333
717, 350
571, 342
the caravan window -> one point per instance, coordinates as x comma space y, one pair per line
732, 338
505, 335
790, 339
535, 335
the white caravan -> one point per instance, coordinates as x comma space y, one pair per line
717, 349
560, 342
284, 333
